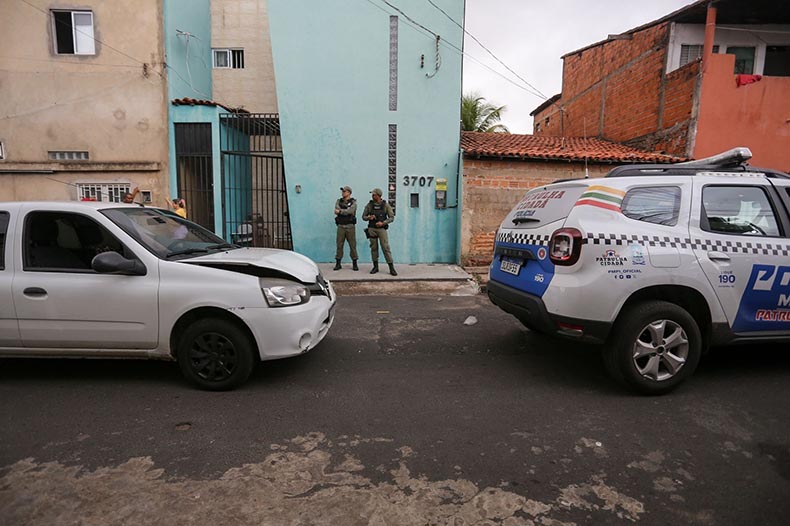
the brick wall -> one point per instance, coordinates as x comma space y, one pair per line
492, 187
618, 91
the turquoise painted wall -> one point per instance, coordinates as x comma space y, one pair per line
189, 75
188, 57
332, 68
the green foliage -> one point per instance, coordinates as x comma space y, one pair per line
480, 116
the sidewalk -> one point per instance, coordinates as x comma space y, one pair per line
411, 279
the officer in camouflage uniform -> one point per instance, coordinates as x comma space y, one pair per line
379, 215
346, 220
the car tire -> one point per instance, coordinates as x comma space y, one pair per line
654, 347
215, 354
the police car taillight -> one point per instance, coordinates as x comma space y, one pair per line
565, 246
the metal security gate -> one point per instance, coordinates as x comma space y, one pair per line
194, 173
254, 198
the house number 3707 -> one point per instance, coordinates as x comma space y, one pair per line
417, 180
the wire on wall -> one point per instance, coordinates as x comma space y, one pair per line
438, 59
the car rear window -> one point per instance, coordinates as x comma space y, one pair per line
659, 205
542, 206
3, 229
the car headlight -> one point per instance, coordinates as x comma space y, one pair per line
284, 293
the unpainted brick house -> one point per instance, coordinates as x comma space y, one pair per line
701, 80
499, 168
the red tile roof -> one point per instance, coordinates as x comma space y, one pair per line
556, 149
186, 101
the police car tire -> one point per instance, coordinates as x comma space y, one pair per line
618, 352
232, 337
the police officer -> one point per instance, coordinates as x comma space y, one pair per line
379, 215
346, 220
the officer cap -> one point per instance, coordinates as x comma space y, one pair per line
345, 188
377, 191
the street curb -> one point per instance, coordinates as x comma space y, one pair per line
467, 287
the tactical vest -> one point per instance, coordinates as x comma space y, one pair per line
345, 219
378, 210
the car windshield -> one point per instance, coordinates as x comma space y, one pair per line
166, 235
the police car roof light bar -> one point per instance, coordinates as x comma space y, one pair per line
733, 157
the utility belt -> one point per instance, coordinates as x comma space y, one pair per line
372, 224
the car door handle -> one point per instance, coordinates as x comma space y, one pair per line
718, 256
35, 291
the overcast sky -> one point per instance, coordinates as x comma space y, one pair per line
530, 36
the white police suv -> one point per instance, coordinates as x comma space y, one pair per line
656, 262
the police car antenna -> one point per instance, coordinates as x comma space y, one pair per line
586, 170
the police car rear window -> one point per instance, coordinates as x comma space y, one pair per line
542, 206
659, 205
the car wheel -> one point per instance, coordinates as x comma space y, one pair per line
215, 354
653, 348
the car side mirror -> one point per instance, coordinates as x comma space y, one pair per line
114, 263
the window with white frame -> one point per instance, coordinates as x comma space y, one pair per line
104, 192
228, 58
2, 151
73, 32
691, 52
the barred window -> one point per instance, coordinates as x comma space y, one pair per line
228, 58
104, 192
691, 52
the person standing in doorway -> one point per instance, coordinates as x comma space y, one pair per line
378, 213
346, 221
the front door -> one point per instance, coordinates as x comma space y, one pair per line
742, 243
62, 303
195, 171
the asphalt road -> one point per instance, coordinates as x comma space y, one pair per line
403, 415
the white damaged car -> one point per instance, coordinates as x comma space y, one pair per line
80, 279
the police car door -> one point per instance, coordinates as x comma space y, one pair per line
739, 232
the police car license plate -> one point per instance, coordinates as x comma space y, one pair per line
510, 266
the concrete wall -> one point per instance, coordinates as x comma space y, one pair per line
332, 63
244, 24
491, 188
111, 104
618, 91
755, 115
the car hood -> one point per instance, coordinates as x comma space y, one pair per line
300, 267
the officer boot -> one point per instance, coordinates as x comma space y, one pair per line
354, 265
392, 269
375, 267
337, 265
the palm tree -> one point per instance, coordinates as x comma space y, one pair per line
480, 116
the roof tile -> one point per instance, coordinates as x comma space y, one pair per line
556, 148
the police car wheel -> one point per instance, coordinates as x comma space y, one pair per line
215, 354
655, 346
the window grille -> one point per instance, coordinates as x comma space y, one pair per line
68, 156
691, 52
228, 58
104, 192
